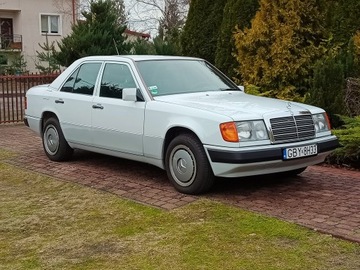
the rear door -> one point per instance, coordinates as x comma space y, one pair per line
74, 103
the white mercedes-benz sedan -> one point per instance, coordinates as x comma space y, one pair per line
178, 113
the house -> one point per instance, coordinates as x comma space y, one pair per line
133, 35
24, 24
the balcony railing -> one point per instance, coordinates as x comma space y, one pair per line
11, 42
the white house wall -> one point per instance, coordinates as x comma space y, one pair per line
26, 22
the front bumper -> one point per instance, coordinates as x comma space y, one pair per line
252, 156
265, 160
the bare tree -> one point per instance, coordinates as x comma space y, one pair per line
157, 15
74, 8
71, 8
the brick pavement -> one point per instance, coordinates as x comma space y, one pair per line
322, 198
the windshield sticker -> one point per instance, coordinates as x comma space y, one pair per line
153, 89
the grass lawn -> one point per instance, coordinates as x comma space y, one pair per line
50, 224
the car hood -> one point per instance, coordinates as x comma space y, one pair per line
236, 104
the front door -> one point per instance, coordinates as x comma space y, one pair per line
117, 124
6, 32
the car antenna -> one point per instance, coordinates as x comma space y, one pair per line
117, 51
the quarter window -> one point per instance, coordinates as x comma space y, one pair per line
115, 78
83, 79
50, 24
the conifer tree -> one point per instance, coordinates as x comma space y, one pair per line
236, 13
330, 75
101, 33
327, 85
357, 45
342, 20
279, 50
165, 46
202, 28
17, 66
142, 47
47, 62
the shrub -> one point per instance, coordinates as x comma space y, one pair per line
327, 88
349, 136
280, 49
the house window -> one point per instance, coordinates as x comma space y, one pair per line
50, 24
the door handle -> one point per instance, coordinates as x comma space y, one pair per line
98, 106
59, 101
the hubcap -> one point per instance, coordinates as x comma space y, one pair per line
51, 140
182, 165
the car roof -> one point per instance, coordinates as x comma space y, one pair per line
137, 58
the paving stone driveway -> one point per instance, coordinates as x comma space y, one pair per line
324, 199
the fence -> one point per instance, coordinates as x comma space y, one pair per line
12, 94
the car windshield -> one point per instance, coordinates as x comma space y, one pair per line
168, 77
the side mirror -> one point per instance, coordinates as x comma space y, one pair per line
129, 94
242, 88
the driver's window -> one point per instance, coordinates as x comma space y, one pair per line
115, 78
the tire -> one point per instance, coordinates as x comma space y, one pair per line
187, 165
55, 146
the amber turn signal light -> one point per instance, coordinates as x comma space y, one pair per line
229, 132
328, 121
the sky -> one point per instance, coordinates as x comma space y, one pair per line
143, 18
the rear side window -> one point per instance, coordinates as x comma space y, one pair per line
82, 80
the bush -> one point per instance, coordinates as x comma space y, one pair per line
334, 83
349, 136
328, 84
280, 49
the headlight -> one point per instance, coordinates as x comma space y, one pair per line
321, 122
252, 130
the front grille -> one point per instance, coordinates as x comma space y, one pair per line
292, 128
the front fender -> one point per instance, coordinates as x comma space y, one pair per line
161, 117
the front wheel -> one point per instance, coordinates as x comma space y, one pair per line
187, 165
54, 143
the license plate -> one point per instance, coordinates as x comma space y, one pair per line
299, 152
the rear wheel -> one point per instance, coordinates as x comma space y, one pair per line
187, 165
54, 143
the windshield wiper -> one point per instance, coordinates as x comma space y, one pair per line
229, 89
